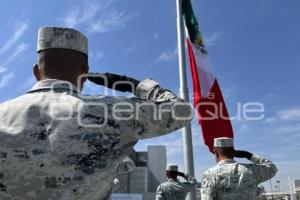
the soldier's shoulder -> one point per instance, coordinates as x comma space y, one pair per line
14, 101
247, 165
210, 173
167, 184
219, 169
106, 99
212, 170
162, 186
164, 183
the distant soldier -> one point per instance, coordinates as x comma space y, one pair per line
174, 189
124, 168
58, 144
230, 180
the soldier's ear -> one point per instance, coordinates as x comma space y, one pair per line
214, 150
36, 72
84, 69
217, 155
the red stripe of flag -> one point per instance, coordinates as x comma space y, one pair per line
212, 113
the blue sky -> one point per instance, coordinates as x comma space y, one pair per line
253, 45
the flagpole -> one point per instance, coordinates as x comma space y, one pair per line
187, 133
291, 190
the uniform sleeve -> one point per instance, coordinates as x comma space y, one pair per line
190, 183
208, 187
159, 194
158, 111
264, 168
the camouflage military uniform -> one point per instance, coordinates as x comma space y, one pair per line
234, 181
56, 144
125, 167
175, 190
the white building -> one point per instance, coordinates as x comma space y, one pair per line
148, 174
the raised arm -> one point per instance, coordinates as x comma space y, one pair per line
156, 111
190, 182
263, 168
160, 110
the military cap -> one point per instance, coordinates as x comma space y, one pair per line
172, 168
223, 142
63, 38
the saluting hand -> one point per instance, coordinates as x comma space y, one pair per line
114, 81
243, 154
181, 174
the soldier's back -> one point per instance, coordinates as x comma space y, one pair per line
46, 153
232, 181
173, 190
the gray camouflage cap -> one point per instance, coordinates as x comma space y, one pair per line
172, 168
64, 38
223, 142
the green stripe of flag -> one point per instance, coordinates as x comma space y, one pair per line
192, 25
190, 20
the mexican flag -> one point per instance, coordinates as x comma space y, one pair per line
208, 99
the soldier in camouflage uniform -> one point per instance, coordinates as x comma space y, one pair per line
125, 167
57, 144
230, 180
174, 189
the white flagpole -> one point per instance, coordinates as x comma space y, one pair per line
291, 188
187, 132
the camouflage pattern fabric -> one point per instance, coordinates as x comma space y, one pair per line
65, 38
56, 144
231, 181
175, 190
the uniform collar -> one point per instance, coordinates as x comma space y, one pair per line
228, 161
53, 84
172, 180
